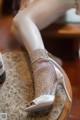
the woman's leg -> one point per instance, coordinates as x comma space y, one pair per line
27, 22
38, 15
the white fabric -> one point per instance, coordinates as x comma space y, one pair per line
70, 17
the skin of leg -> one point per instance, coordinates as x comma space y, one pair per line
29, 21
37, 16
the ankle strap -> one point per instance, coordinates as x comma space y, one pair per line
38, 54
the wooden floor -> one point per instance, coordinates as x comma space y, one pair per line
71, 67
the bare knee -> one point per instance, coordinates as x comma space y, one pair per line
20, 18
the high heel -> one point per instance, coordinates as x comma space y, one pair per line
64, 80
47, 98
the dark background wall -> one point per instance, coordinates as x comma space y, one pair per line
7, 6
10, 6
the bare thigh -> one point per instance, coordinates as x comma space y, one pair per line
45, 12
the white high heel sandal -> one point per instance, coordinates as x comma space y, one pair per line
46, 100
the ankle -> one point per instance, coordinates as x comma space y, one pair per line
38, 54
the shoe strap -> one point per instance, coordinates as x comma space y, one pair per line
38, 54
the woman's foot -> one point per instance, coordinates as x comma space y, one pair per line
47, 75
